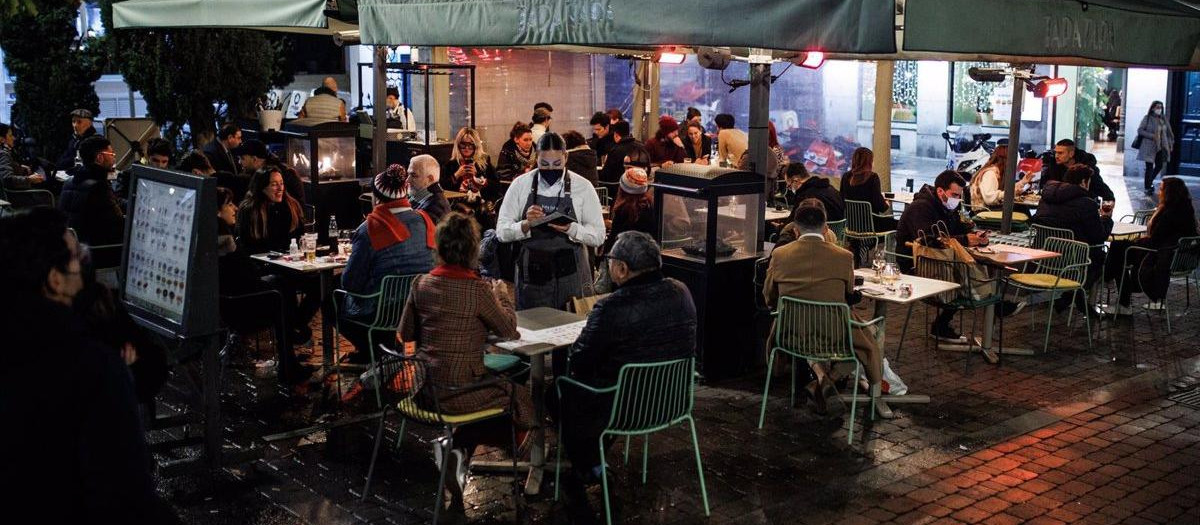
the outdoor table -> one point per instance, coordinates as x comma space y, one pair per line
1029, 199
1004, 258
543, 330
738, 211
324, 267
1122, 230
452, 195
901, 197
921, 288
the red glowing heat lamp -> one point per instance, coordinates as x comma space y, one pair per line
809, 59
1050, 88
669, 56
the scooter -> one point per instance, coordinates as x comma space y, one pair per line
821, 158
969, 151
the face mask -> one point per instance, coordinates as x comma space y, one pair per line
1158, 112
952, 202
550, 176
418, 194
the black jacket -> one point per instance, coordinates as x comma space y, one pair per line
614, 164
583, 162
1055, 172
220, 158
925, 211
67, 160
435, 205
690, 150
650, 318
1071, 207
91, 206
79, 433
869, 191
601, 145
491, 192
818, 188
279, 230
508, 164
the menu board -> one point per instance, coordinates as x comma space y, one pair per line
160, 248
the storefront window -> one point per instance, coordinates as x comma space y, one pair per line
904, 91
989, 103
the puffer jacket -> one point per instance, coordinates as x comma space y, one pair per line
582, 160
1071, 207
925, 211
91, 207
650, 318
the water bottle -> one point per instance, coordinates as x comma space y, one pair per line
333, 233
293, 248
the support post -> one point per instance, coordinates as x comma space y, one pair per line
1014, 141
379, 110
645, 100
881, 137
760, 113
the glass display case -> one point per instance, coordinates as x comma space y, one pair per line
320, 151
708, 214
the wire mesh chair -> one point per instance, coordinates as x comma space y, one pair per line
962, 298
389, 306
20, 199
1042, 232
409, 389
815, 331
648, 398
1184, 261
1138, 217
860, 226
839, 229
1059, 275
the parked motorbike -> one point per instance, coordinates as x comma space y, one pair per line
821, 158
969, 150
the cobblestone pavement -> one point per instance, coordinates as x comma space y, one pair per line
1075, 435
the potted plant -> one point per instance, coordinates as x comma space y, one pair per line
270, 111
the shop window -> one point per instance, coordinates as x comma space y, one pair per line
904, 91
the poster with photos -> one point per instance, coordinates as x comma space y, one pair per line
160, 248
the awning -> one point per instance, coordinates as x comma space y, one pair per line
1134, 32
848, 26
266, 14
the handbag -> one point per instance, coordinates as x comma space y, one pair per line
945, 247
1137, 142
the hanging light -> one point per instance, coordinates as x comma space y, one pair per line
809, 59
669, 55
1049, 88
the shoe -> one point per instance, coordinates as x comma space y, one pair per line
575, 499
1009, 308
946, 334
833, 401
1120, 309
1154, 306
456, 469
814, 392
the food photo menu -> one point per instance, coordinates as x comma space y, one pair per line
160, 245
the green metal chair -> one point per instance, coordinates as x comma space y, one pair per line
961, 298
815, 331
410, 391
1062, 274
860, 226
1138, 217
389, 306
1184, 261
20, 199
648, 398
1042, 232
839, 229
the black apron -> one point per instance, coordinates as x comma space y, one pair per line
552, 269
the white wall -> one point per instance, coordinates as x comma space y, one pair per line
933, 107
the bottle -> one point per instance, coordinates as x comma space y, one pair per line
333, 231
293, 248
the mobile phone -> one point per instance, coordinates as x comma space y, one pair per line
888, 195
274, 255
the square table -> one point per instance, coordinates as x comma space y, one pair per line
921, 289
540, 319
1122, 230
324, 267
1004, 258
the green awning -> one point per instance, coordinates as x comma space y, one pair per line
220, 13
848, 26
1143, 32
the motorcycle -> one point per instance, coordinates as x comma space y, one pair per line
821, 158
969, 150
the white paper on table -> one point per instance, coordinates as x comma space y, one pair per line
558, 336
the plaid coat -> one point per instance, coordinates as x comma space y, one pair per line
449, 319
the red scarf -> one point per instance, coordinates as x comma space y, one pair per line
454, 271
385, 229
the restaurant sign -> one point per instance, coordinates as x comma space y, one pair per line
556, 20
1105, 31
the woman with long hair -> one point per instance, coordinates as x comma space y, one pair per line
470, 171
268, 218
516, 155
987, 187
1173, 219
1157, 140
698, 145
633, 208
449, 315
861, 183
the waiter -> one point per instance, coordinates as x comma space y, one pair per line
553, 264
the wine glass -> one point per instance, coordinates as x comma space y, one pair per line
877, 263
891, 274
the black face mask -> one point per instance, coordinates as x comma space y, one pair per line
550, 176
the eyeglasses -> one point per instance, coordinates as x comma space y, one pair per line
465, 145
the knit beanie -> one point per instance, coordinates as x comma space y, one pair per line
635, 181
667, 125
392, 183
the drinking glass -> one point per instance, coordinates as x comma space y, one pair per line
877, 263
310, 247
891, 274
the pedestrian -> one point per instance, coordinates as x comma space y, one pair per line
1155, 141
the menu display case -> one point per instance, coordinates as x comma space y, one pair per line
708, 222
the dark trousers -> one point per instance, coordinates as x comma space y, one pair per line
1152, 168
254, 313
357, 335
581, 425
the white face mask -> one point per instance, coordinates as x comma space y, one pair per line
952, 202
1158, 112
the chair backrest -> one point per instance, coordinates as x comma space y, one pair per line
858, 217
814, 329
1073, 262
583, 305
652, 396
602, 193
1041, 233
30, 198
403, 382
1138, 217
948, 271
1187, 256
839, 229
394, 290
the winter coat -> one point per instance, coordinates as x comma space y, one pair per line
92, 208
1071, 207
367, 267
220, 158
614, 165
925, 211
435, 205
819, 188
67, 160
689, 149
664, 150
1156, 136
509, 163
583, 160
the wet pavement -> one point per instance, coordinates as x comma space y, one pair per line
1074, 435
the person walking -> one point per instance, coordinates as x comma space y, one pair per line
1155, 141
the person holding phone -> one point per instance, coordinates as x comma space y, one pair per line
553, 265
470, 171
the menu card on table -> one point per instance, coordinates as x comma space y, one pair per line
561, 335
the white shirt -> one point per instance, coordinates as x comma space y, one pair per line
589, 226
537, 130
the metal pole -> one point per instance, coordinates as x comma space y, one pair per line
1014, 140
760, 111
881, 139
378, 111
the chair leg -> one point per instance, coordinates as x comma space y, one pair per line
792, 398
699, 465
558, 460
762, 411
1087, 316
400, 434
645, 456
375, 453
1049, 322
853, 403
604, 483
627, 440
903, 332
441, 486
